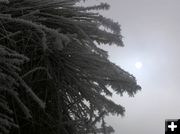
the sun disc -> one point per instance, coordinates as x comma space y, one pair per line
138, 65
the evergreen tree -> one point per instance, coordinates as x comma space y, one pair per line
53, 76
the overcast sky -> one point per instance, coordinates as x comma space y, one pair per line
151, 30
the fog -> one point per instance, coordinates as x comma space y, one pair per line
151, 31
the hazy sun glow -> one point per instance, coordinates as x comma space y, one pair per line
138, 65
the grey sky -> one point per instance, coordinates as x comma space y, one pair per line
151, 30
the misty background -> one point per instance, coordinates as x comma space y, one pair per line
151, 31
